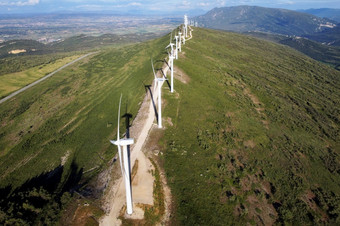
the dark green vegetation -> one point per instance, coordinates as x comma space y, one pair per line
323, 53
76, 43
54, 137
255, 135
333, 14
253, 18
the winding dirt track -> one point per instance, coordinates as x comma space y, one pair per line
145, 185
142, 185
43, 78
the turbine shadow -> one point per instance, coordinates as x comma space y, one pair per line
148, 88
127, 117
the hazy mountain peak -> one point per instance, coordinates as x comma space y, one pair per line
255, 18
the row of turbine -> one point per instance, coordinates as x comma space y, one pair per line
126, 142
173, 54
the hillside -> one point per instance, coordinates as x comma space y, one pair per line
253, 18
76, 43
324, 53
252, 134
54, 137
333, 14
328, 36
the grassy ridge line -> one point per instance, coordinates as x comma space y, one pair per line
12, 83
259, 123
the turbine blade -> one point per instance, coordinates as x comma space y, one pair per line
120, 102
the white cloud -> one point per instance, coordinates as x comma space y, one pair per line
19, 3
135, 4
204, 4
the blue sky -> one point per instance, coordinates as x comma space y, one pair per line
167, 6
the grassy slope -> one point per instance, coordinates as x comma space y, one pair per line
14, 81
327, 54
71, 114
255, 135
20, 63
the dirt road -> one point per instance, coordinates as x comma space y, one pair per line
142, 183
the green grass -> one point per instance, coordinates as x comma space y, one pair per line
68, 115
255, 136
21, 63
15, 81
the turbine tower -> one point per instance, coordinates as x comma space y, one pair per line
159, 84
171, 59
180, 41
126, 172
184, 30
176, 50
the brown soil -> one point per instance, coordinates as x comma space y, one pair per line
180, 75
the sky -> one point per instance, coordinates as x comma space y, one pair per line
166, 6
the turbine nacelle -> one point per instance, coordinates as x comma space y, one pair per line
123, 142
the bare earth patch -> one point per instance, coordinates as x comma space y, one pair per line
17, 51
180, 75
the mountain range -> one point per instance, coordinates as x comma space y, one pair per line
316, 37
254, 18
333, 14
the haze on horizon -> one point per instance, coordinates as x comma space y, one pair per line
150, 6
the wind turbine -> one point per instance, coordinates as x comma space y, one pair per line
186, 25
180, 41
176, 50
126, 173
184, 31
171, 45
159, 84
171, 59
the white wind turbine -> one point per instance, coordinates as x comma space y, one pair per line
176, 50
159, 82
126, 168
184, 31
171, 45
186, 25
171, 61
180, 41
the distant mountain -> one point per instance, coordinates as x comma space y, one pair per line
333, 14
327, 36
254, 18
